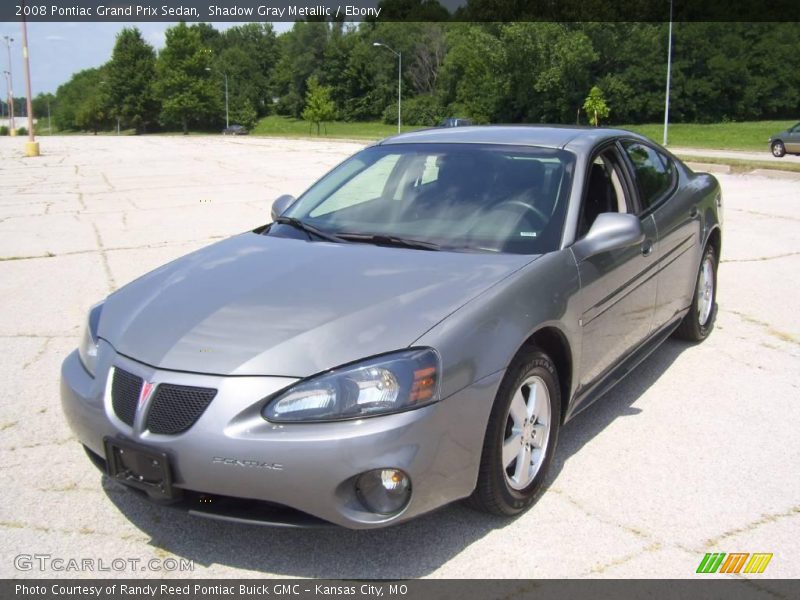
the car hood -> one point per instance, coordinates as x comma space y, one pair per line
262, 305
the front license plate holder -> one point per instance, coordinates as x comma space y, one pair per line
139, 467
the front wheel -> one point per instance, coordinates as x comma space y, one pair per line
699, 321
521, 436
778, 149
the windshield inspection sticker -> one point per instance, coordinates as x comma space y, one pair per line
528, 233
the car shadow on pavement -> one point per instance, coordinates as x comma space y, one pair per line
409, 550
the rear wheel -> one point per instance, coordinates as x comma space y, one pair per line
521, 436
699, 321
778, 149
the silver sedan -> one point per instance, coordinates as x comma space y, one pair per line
413, 330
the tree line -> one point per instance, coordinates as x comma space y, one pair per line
521, 72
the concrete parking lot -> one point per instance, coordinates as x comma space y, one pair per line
695, 452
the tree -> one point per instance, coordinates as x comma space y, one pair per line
130, 80
595, 106
184, 85
319, 106
81, 103
248, 53
43, 105
472, 75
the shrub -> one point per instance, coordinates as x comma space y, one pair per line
22, 131
3, 130
424, 111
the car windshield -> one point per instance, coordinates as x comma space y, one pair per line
461, 197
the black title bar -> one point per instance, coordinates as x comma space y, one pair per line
399, 10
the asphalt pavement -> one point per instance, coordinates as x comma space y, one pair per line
697, 451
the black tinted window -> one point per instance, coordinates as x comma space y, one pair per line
654, 172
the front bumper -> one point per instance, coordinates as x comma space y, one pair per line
438, 446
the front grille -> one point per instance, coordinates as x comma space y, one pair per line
125, 389
176, 408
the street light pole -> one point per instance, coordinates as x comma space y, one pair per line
13, 129
399, 56
32, 146
669, 76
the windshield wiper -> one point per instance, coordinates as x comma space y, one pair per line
308, 229
388, 240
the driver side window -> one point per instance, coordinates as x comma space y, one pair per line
605, 192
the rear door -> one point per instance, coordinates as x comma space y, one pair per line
677, 222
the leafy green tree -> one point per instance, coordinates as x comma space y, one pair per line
319, 106
43, 105
81, 103
248, 53
188, 94
244, 114
472, 74
595, 106
130, 73
302, 52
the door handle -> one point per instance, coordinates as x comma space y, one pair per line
647, 248
694, 212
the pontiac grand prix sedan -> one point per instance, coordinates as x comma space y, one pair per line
412, 330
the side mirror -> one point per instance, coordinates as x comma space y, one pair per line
610, 231
281, 204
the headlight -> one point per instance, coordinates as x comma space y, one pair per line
385, 384
88, 348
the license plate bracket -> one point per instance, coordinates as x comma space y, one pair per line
139, 467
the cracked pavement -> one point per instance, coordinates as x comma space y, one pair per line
695, 452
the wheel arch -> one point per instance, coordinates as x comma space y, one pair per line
715, 240
553, 342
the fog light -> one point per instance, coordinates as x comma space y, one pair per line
383, 491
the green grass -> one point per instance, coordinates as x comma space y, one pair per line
747, 135
287, 127
742, 166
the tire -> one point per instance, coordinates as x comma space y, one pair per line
778, 149
502, 488
699, 321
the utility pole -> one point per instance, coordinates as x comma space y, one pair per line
12, 128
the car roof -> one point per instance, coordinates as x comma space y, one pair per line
545, 136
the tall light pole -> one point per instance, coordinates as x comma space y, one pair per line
13, 129
227, 119
669, 75
31, 146
399, 56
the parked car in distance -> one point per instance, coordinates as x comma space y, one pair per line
414, 329
455, 122
235, 130
785, 142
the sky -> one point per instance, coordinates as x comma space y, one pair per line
57, 50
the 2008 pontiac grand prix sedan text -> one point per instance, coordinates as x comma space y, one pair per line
412, 330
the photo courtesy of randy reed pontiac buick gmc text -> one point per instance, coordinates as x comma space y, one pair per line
200, 590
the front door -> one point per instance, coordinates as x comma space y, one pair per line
618, 287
